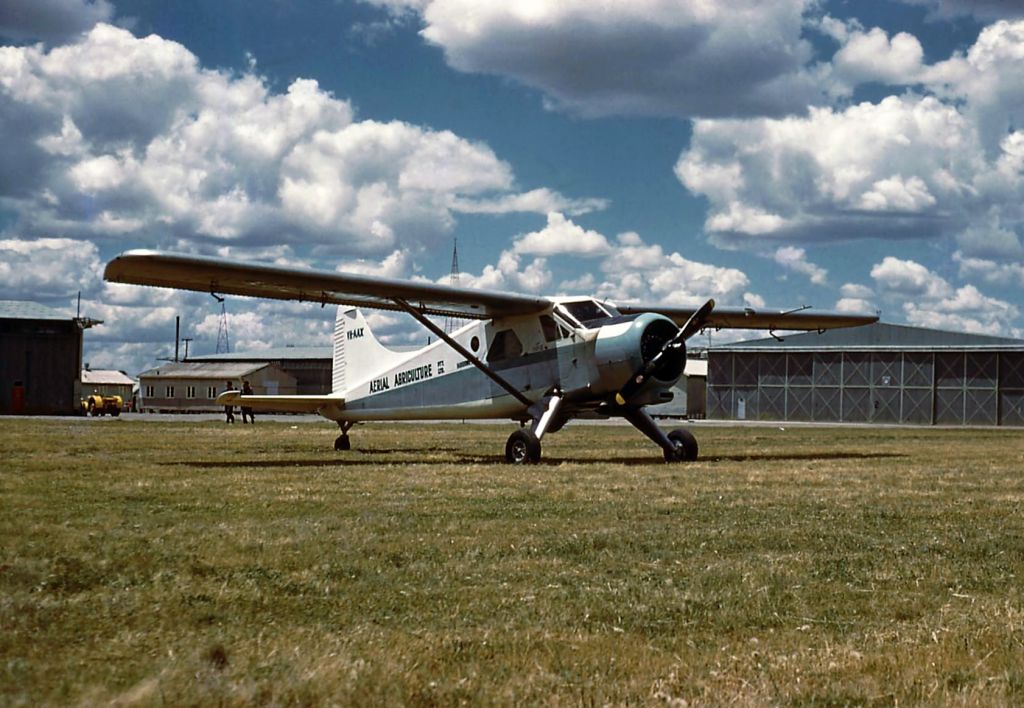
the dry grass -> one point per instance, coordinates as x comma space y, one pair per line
189, 563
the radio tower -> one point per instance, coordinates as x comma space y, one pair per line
223, 346
452, 323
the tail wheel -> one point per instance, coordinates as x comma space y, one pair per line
522, 448
685, 446
342, 442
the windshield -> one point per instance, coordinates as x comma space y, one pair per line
585, 311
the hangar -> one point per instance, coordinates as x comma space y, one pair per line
40, 359
191, 387
879, 373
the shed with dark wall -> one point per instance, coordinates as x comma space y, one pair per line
40, 359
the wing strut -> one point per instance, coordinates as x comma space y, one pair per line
488, 371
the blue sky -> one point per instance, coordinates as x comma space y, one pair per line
857, 156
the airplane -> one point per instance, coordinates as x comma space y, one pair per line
541, 361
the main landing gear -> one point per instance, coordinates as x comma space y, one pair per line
342, 442
523, 446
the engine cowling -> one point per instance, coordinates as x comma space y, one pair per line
623, 347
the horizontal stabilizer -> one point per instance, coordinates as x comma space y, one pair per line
282, 404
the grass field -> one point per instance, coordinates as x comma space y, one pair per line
169, 563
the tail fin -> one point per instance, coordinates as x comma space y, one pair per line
357, 353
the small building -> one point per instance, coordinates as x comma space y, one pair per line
108, 382
192, 387
311, 366
40, 359
879, 373
689, 395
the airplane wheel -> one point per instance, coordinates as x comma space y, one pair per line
342, 443
522, 448
686, 446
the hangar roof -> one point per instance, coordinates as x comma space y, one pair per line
873, 337
205, 370
273, 354
106, 377
26, 310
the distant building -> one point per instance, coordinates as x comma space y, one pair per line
311, 366
192, 387
879, 373
40, 359
689, 395
108, 383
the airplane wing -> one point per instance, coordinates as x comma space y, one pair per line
221, 275
747, 318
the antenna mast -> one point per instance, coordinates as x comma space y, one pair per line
452, 323
223, 346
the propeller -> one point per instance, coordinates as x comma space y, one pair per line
690, 328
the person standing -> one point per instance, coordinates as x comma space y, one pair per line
229, 410
246, 410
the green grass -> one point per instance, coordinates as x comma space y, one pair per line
191, 563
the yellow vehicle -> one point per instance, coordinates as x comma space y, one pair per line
97, 404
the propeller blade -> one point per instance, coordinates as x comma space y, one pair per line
696, 321
690, 328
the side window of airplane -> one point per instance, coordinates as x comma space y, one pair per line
547, 324
506, 345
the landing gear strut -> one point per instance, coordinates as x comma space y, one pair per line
678, 446
523, 446
342, 442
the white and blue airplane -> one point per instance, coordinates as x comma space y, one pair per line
542, 361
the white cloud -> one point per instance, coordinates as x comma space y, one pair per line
854, 305
510, 274
909, 278
47, 268
397, 265
856, 290
538, 201
929, 300
989, 79
875, 56
562, 236
130, 136
905, 167
795, 259
648, 57
635, 271
1007, 274
948, 163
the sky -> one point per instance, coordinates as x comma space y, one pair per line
856, 156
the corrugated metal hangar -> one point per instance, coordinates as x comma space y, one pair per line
40, 359
879, 373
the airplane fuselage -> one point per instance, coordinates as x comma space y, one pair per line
535, 354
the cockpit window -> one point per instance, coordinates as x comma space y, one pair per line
585, 311
506, 345
547, 323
